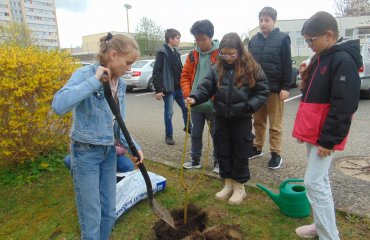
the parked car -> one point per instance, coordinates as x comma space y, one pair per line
363, 71
85, 63
294, 84
183, 58
303, 65
140, 75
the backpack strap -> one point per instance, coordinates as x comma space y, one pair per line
192, 55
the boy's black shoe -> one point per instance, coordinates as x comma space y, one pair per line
256, 153
275, 161
169, 140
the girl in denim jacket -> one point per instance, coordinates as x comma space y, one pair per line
93, 153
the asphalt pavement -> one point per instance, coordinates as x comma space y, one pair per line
351, 188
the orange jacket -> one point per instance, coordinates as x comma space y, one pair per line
189, 70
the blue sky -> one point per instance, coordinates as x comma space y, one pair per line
83, 17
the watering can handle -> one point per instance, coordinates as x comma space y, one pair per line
282, 185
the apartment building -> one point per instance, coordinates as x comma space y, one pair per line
349, 27
39, 16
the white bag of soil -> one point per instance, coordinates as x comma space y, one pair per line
131, 189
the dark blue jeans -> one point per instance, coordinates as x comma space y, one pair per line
168, 99
198, 120
94, 177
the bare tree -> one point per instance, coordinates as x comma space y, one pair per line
17, 33
149, 36
352, 8
245, 38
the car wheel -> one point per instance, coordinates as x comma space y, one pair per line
293, 84
150, 87
365, 94
129, 89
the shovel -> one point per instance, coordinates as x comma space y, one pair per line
156, 207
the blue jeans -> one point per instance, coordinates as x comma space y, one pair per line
198, 119
319, 194
94, 177
168, 109
124, 163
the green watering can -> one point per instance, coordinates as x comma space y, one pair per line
292, 199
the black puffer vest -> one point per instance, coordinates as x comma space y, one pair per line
267, 52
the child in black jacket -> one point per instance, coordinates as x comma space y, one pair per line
331, 89
240, 88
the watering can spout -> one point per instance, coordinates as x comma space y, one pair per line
275, 197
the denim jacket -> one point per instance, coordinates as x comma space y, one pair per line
92, 118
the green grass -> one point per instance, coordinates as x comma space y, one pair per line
44, 208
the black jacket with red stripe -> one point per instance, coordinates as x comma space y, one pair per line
330, 97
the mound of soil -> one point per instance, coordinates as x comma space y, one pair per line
218, 232
195, 228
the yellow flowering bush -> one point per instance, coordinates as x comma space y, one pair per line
29, 77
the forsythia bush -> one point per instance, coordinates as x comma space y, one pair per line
29, 77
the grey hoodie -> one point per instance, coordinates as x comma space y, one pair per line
203, 67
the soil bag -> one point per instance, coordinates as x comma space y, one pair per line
131, 189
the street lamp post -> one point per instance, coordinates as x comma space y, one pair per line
127, 6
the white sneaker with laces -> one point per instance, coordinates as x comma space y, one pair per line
192, 164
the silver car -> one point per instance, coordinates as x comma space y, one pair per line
140, 75
364, 71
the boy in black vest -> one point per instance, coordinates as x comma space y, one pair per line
271, 49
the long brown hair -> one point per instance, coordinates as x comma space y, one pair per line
121, 43
245, 66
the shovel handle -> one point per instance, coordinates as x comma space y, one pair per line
116, 112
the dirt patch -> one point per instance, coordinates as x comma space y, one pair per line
218, 232
355, 166
195, 228
216, 212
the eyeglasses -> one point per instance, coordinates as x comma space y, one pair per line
227, 56
311, 40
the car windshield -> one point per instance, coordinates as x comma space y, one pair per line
139, 64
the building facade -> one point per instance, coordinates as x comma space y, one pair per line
39, 16
349, 27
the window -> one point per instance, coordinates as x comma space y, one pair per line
349, 32
300, 41
364, 31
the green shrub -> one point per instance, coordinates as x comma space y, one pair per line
29, 77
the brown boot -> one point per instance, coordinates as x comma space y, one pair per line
226, 192
238, 195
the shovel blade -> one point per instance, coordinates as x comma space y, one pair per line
163, 213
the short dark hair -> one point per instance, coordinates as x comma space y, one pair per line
171, 33
268, 11
319, 23
202, 27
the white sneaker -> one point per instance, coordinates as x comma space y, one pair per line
216, 169
194, 163
306, 231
